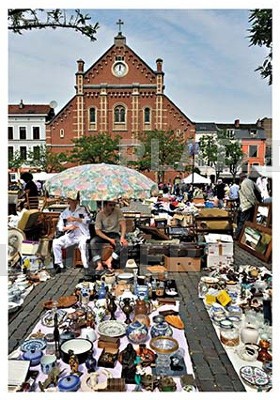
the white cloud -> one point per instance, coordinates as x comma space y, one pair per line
209, 68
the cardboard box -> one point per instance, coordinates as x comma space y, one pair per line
219, 245
182, 264
215, 261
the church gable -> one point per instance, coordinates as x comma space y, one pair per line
118, 66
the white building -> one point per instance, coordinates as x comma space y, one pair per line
26, 128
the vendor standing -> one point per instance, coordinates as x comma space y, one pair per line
73, 224
110, 227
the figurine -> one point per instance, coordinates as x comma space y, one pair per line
74, 363
52, 378
139, 370
127, 359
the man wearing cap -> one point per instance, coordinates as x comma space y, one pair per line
110, 227
73, 223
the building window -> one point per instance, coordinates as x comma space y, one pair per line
253, 151
22, 133
230, 133
119, 114
36, 132
36, 152
23, 152
10, 133
92, 115
61, 133
10, 152
147, 115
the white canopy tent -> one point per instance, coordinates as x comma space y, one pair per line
196, 178
42, 176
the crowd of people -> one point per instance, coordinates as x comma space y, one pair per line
110, 225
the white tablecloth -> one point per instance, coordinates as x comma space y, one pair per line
178, 334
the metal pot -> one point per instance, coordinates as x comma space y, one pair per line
81, 348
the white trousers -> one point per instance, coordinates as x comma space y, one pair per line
69, 240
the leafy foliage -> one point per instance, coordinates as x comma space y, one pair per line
16, 161
221, 151
162, 151
261, 35
100, 148
20, 20
47, 161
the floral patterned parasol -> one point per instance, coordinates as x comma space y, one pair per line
100, 182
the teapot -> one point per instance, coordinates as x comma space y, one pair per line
142, 307
109, 278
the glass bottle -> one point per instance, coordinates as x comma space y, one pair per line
202, 289
229, 334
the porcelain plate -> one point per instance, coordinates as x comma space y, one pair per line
112, 328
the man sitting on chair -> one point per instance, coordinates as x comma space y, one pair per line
110, 227
73, 223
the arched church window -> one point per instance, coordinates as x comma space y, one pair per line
119, 114
147, 115
92, 115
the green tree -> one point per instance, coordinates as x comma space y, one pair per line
16, 161
25, 19
162, 151
234, 156
100, 148
46, 160
261, 35
220, 152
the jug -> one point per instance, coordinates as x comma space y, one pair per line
142, 307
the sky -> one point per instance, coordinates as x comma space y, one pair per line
208, 64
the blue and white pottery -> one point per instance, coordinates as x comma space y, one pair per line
34, 356
137, 332
48, 362
70, 383
161, 329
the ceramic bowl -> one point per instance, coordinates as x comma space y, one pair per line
164, 345
69, 383
23, 285
81, 348
34, 356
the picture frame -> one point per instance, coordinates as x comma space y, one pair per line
263, 214
257, 240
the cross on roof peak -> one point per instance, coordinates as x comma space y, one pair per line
120, 23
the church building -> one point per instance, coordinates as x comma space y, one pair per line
121, 95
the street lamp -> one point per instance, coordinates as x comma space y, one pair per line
193, 150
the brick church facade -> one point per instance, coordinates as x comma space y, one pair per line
121, 95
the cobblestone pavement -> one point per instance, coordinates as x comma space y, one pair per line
213, 370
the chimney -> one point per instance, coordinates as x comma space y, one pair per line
236, 123
21, 105
159, 64
81, 64
259, 123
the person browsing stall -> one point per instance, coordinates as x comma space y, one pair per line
73, 225
29, 198
110, 227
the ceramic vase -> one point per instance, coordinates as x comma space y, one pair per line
137, 332
161, 329
249, 334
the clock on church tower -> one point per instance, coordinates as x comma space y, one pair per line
120, 68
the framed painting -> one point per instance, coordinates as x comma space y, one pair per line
263, 214
257, 240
